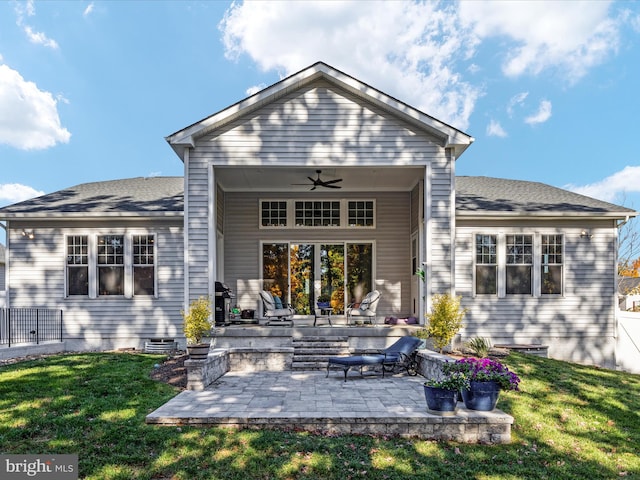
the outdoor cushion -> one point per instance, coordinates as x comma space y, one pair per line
355, 361
278, 302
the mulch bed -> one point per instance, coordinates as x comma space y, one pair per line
172, 371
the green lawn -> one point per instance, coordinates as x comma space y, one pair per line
571, 422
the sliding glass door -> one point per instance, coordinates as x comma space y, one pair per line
300, 272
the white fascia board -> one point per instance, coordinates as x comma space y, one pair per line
545, 215
74, 216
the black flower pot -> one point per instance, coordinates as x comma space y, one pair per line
481, 396
440, 401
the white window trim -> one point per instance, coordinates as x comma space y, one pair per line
92, 242
536, 277
344, 214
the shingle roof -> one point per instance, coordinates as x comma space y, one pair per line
486, 195
165, 196
131, 196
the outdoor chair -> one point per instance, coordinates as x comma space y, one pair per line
275, 311
393, 358
366, 311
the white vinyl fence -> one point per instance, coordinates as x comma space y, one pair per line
628, 345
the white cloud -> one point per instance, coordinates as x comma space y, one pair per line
28, 116
40, 38
516, 100
28, 9
15, 192
88, 10
255, 89
572, 36
409, 50
494, 129
542, 115
612, 188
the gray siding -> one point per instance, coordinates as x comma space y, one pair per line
578, 325
317, 125
391, 238
37, 279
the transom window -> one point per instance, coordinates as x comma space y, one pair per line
361, 213
274, 214
317, 213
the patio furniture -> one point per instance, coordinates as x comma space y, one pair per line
322, 313
397, 356
365, 312
275, 311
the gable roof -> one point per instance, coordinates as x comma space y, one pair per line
499, 197
449, 136
131, 197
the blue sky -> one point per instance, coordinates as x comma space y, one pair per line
89, 89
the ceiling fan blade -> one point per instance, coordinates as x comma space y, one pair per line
332, 186
329, 182
314, 180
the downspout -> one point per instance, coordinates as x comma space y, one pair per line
452, 223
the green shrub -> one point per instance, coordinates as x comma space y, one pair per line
196, 320
445, 319
479, 346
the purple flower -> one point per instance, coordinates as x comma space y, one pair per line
485, 370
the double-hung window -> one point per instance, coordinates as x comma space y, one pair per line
78, 265
486, 264
551, 265
143, 265
519, 264
111, 265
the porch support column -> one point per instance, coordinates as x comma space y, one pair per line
425, 242
452, 223
185, 227
213, 234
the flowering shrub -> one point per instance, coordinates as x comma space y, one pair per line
450, 381
483, 370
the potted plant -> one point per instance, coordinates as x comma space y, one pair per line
441, 393
196, 325
444, 321
324, 301
486, 378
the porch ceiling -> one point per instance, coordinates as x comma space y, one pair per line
284, 179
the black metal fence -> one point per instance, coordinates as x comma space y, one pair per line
30, 325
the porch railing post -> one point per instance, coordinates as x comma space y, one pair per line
9, 324
37, 326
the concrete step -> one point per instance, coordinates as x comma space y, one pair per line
309, 366
322, 348
320, 339
319, 344
314, 358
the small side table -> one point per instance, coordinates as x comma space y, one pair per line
324, 313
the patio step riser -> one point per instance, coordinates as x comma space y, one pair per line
320, 339
341, 350
313, 358
309, 366
313, 352
332, 345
